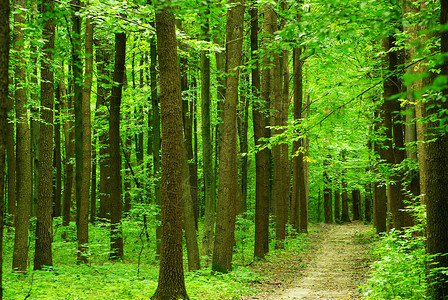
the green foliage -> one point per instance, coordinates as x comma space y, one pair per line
399, 267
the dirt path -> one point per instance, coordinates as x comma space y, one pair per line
336, 268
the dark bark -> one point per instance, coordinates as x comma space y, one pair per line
228, 182
57, 157
11, 161
261, 157
337, 205
44, 223
171, 283
344, 212
356, 205
116, 238
328, 195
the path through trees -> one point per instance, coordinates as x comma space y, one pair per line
336, 268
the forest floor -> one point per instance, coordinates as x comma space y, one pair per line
333, 267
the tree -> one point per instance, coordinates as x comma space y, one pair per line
356, 204
83, 208
328, 195
171, 283
116, 237
44, 231
207, 149
433, 167
4, 81
228, 182
23, 146
344, 204
260, 121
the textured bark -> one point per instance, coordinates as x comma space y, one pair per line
435, 162
228, 182
4, 81
368, 204
243, 124
171, 283
23, 147
261, 157
44, 224
207, 151
116, 238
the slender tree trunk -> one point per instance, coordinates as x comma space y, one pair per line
328, 195
102, 61
344, 212
188, 217
57, 160
4, 81
228, 182
171, 283
116, 238
207, 151
83, 208
69, 135
23, 146
243, 123
44, 225
261, 157
337, 205
11, 160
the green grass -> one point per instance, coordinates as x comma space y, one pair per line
126, 279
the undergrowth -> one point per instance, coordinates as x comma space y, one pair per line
134, 277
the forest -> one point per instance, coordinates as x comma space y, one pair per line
175, 149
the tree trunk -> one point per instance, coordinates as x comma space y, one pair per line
328, 195
116, 238
337, 205
4, 81
261, 247
23, 146
228, 182
356, 205
103, 57
83, 208
57, 163
367, 203
188, 217
171, 283
69, 135
11, 160
243, 124
344, 213
44, 224
207, 151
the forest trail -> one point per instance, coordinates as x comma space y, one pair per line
336, 268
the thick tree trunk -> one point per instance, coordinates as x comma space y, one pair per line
23, 146
228, 182
44, 225
261, 157
171, 283
116, 238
